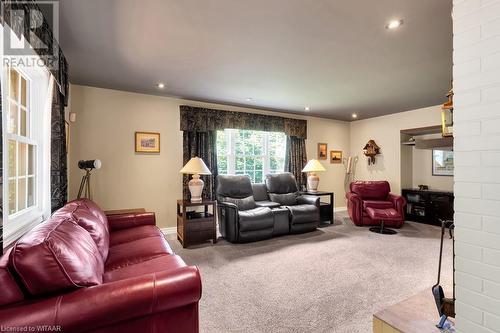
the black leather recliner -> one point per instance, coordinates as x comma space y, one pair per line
240, 219
304, 210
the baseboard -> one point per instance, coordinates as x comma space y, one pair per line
169, 231
340, 209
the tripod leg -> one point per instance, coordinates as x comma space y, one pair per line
82, 185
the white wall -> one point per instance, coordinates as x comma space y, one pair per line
385, 131
476, 56
106, 122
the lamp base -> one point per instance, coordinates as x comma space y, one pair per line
312, 182
196, 188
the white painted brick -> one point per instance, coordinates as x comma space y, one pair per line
491, 94
468, 190
491, 224
476, 18
480, 80
490, 29
491, 191
479, 50
468, 37
468, 158
476, 143
480, 270
469, 281
491, 257
465, 7
492, 289
470, 312
489, 63
476, 112
469, 128
478, 300
469, 221
467, 326
467, 68
477, 238
475, 174
492, 321
469, 251
491, 127
490, 159
467, 98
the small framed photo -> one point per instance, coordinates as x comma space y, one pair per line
147, 142
322, 151
335, 156
442, 163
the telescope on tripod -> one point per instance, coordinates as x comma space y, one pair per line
88, 166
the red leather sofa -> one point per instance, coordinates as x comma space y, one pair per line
83, 271
375, 194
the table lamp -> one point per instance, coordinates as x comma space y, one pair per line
196, 167
312, 167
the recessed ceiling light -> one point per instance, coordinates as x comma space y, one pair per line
394, 24
161, 85
354, 116
249, 99
307, 108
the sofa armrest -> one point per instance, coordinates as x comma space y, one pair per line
398, 201
228, 216
125, 221
107, 304
308, 200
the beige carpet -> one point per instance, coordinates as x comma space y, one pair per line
330, 280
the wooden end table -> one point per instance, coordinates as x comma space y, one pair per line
195, 227
326, 208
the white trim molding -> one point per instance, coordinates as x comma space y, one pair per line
169, 231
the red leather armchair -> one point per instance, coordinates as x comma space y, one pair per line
82, 271
375, 194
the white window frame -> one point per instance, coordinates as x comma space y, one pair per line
230, 135
40, 101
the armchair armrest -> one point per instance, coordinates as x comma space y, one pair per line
355, 207
308, 200
125, 221
110, 303
228, 220
398, 201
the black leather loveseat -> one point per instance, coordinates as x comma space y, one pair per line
250, 212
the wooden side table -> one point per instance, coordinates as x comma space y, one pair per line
196, 227
326, 208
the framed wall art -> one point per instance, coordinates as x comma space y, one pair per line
335, 156
322, 151
442, 163
147, 142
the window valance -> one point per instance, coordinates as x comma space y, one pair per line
203, 119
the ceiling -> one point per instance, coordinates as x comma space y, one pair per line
334, 56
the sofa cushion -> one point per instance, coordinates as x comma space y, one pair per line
389, 214
98, 229
136, 251
132, 234
379, 204
281, 183
270, 204
371, 189
260, 192
11, 293
57, 255
256, 219
234, 186
162, 263
287, 199
303, 214
243, 203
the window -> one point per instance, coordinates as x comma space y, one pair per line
22, 144
252, 153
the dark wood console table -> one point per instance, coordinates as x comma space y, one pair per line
428, 206
195, 227
326, 208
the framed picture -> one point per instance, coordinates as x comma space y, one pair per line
335, 156
322, 151
146, 142
442, 163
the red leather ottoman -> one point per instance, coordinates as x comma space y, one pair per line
382, 215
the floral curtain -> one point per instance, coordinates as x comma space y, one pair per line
58, 158
203, 145
296, 158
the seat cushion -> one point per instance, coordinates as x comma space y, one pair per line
162, 263
132, 234
389, 214
256, 219
285, 199
133, 252
303, 214
242, 203
98, 229
11, 293
57, 255
377, 204
270, 204
260, 192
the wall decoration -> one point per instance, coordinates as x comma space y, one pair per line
447, 115
146, 142
371, 150
335, 156
322, 151
442, 163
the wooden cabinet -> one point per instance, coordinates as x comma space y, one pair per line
428, 206
194, 226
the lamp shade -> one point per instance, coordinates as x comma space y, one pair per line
196, 166
313, 166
